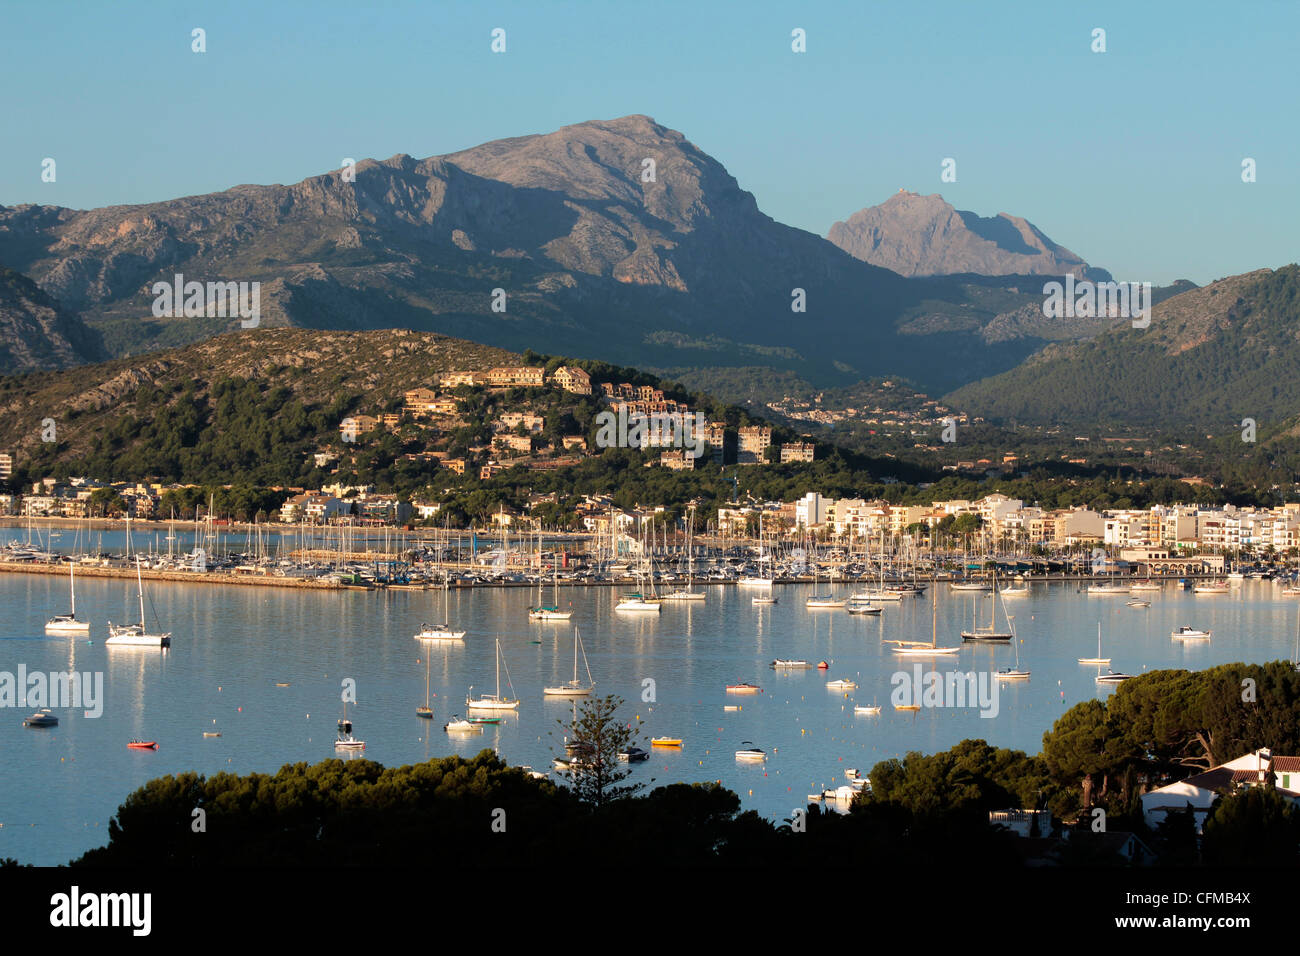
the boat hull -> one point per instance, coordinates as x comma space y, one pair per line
984, 636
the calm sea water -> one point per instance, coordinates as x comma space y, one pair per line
232, 645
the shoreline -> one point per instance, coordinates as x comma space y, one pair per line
270, 580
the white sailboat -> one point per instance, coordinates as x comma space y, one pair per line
1098, 659
68, 623
922, 649
494, 701
688, 593
868, 596
645, 600
137, 635
552, 611
823, 600
442, 632
763, 579
1013, 673
574, 688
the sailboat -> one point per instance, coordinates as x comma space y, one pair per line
990, 633
443, 631
636, 600
920, 648
880, 592
68, 623
574, 688
494, 701
1013, 673
688, 593
345, 740
137, 634
426, 711
548, 612
823, 600
1098, 659
763, 580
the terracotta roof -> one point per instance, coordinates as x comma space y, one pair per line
1248, 776
1286, 764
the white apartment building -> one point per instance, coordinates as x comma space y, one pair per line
811, 511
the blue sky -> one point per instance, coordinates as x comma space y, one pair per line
1131, 158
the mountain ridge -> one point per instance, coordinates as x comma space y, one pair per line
680, 269
916, 235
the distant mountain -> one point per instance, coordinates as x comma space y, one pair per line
35, 332
1213, 355
917, 235
617, 240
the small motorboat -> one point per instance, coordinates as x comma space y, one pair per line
211, 733
760, 599
1186, 633
779, 663
142, 744
666, 742
748, 751
460, 725
42, 718
841, 685
1136, 603
1110, 677
744, 687
871, 710
479, 721
633, 755
823, 666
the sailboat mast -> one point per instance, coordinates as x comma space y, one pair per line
934, 621
72, 586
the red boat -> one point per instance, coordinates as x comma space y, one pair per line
143, 744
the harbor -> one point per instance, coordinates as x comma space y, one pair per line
263, 666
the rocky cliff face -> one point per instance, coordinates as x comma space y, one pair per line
36, 333
917, 235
